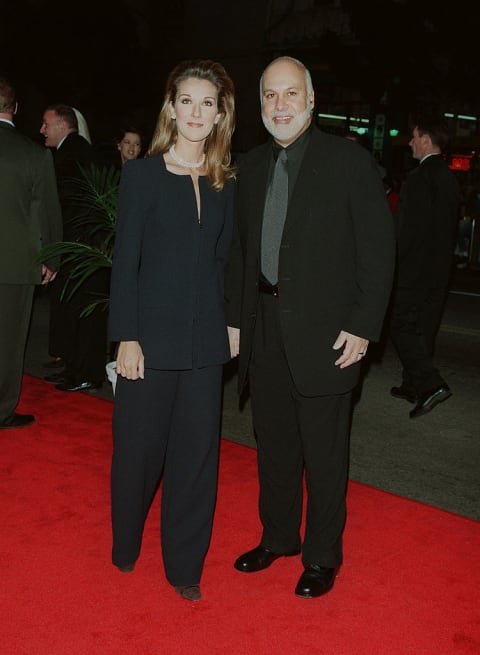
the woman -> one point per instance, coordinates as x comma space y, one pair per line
166, 311
129, 144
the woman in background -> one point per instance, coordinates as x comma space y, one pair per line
167, 313
129, 144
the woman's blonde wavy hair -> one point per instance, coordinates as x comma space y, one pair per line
218, 166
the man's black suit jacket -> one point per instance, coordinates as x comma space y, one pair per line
336, 259
30, 215
427, 222
74, 152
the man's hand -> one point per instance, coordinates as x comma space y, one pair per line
47, 275
234, 340
130, 360
354, 349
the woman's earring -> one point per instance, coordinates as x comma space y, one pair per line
173, 117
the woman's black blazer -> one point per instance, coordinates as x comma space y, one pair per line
167, 285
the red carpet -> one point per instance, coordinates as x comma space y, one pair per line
409, 585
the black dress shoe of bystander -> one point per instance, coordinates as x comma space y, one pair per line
17, 421
315, 581
427, 401
258, 559
77, 386
405, 393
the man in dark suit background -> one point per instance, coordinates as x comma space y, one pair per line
427, 219
79, 340
308, 296
30, 218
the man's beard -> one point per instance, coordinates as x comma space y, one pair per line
286, 132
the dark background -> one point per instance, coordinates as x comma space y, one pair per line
110, 58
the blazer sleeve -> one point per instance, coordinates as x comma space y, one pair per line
225, 237
123, 315
234, 272
374, 237
234, 279
47, 205
415, 220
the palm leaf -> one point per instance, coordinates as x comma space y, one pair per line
94, 195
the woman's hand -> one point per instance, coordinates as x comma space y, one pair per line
130, 361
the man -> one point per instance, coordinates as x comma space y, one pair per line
79, 340
29, 219
427, 220
309, 296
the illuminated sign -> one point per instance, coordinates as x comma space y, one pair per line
460, 162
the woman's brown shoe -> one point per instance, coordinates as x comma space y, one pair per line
189, 593
127, 568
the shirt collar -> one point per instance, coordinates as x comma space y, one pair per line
60, 142
430, 154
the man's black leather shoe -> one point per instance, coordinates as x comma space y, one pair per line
77, 386
427, 401
405, 393
258, 559
17, 421
315, 581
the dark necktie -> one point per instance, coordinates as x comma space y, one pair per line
274, 214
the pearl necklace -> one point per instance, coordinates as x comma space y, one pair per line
182, 162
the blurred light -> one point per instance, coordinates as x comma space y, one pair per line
334, 116
361, 130
460, 162
461, 117
393, 132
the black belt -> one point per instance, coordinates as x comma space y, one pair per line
266, 287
